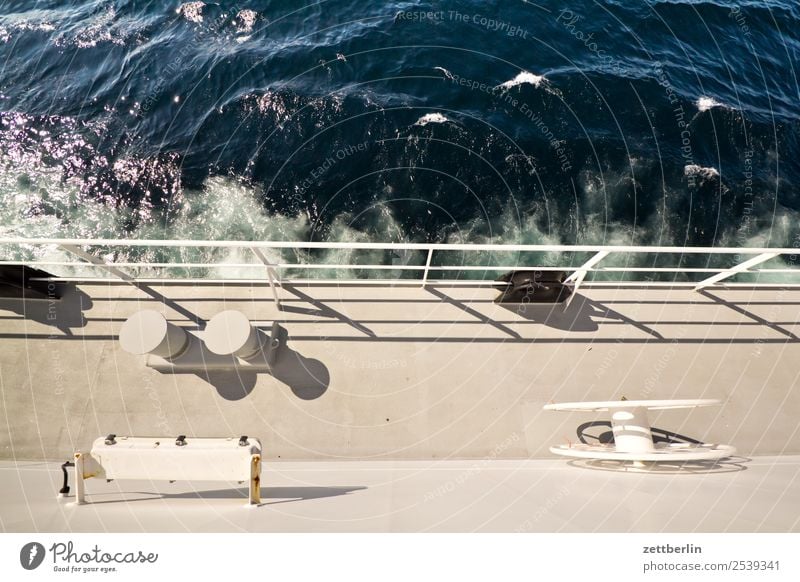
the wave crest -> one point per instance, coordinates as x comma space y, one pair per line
432, 118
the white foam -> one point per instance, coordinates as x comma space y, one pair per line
523, 78
270, 102
706, 103
432, 118
245, 20
99, 30
37, 25
706, 173
30, 25
447, 73
191, 11
36, 201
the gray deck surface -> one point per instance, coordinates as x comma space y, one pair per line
412, 409
375, 372
756, 495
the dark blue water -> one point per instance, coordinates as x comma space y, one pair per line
632, 122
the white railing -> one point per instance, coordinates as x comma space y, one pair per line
264, 260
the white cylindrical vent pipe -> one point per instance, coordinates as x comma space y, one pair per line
148, 332
231, 333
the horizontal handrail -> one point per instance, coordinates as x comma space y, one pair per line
747, 260
352, 266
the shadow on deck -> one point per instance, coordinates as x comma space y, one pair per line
582, 322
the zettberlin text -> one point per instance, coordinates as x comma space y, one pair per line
669, 549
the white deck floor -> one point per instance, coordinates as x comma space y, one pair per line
744, 495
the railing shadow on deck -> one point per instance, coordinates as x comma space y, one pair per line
584, 315
63, 314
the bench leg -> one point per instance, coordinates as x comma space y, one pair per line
80, 490
255, 479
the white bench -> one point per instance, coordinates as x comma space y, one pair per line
171, 459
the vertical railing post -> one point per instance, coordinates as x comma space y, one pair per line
272, 274
740, 268
580, 274
427, 267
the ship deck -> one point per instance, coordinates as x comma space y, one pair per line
384, 393
741, 495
